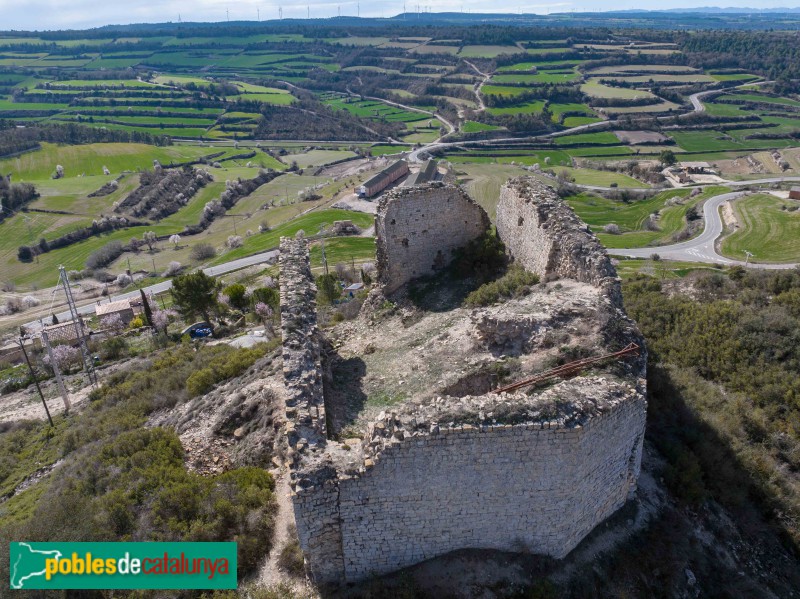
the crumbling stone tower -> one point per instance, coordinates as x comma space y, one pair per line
446, 471
418, 228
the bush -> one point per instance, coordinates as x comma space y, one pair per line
200, 382
291, 559
482, 258
136, 323
328, 289
511, 284
266, 295
113, 348
612, 229
202, 251
105, 255
173, 268
237, 296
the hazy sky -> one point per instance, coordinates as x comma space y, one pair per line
62, 14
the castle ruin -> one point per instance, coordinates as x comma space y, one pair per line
400, 451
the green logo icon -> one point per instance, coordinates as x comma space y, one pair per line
122, 565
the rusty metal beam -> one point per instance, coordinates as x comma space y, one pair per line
568, 369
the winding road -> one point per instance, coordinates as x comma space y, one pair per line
703, 247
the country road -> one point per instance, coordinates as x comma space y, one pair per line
214, 271
703, 247
697, 106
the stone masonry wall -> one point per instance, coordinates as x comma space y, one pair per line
544, 234
418, 228
510, 488
509, 472
316, 516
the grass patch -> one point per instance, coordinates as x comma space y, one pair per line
768, 229
513, 283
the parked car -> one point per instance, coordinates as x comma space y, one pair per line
198, 330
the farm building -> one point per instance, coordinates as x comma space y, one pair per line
122, 308
696, 168
383, 179
794, 193
63, 331
426, 174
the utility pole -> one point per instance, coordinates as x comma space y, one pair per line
86, 357
57, 371
35, 380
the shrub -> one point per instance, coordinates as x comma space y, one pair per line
24, 253
612, 229
200, 382
511, 284
291, 558
482, 257
136, 323
105, 255
237, 296
266, 295
234, 241
173, 268
202, 251
113, 348
328, 289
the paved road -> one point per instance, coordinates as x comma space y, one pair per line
701, 248
214, 271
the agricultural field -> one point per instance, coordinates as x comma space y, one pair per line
631, 217
769, 228
88, 160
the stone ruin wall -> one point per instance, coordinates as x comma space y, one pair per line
316, 518
423, 483
418, 228
543, 234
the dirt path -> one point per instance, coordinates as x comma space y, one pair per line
486, 78
271, 573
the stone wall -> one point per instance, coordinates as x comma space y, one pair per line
536, 487
512, 472
316, 516
544, 235
418, 228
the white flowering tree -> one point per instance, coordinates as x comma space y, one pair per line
113, 322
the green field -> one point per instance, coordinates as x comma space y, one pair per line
527, 107
598, 90
586, 176
343, 250
89, 159
631, 216
540, 77
768, 229
475, 127
310, 223
601, 138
